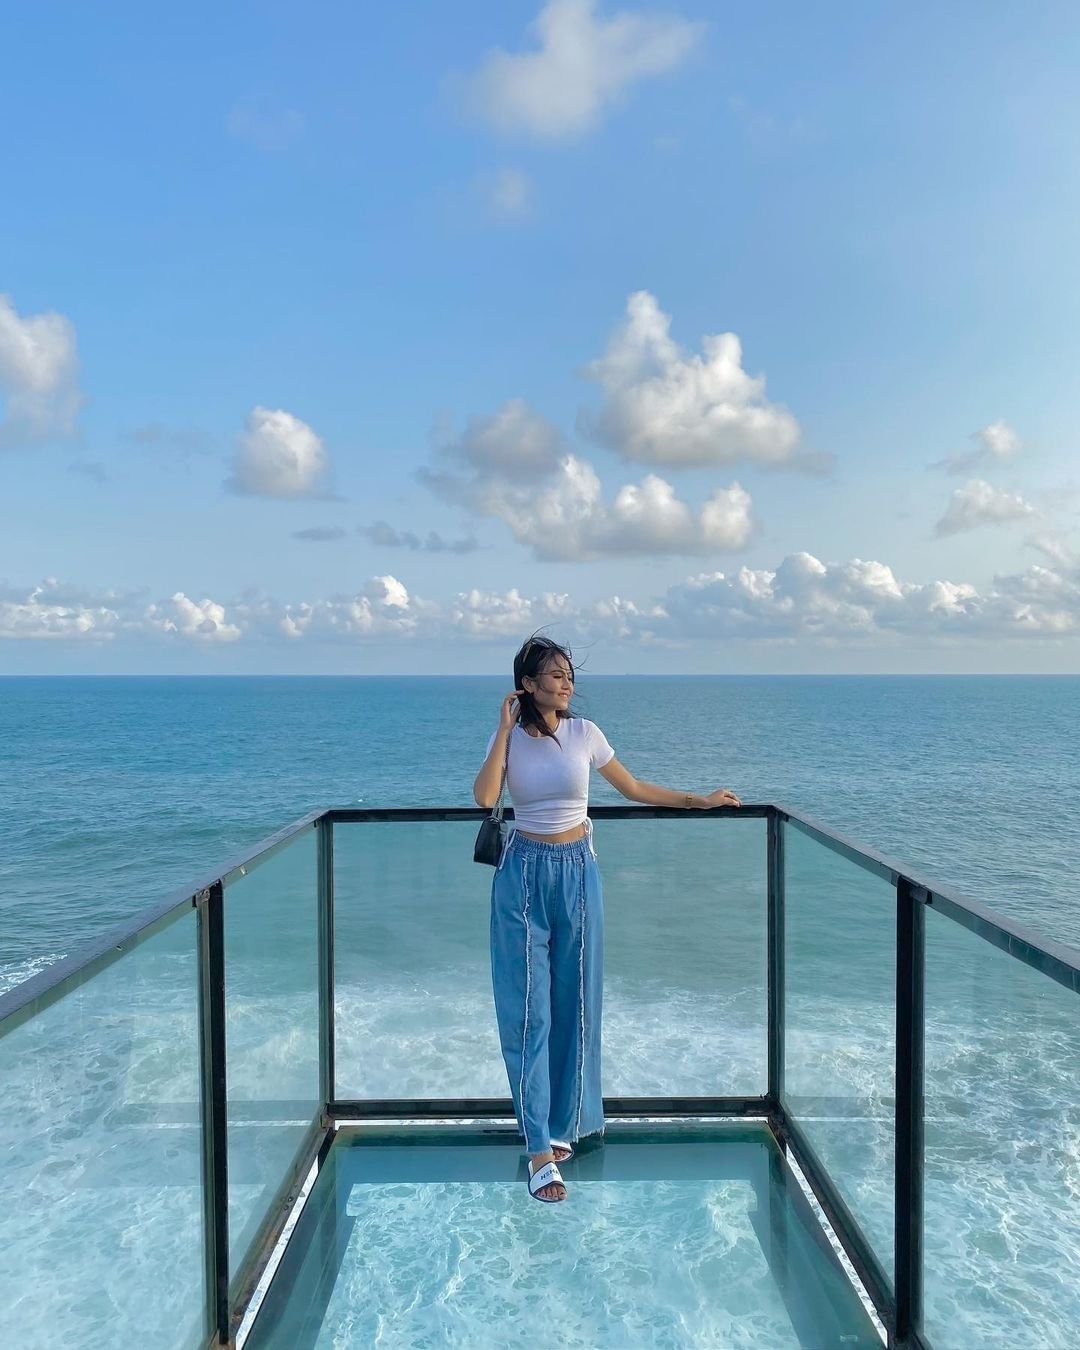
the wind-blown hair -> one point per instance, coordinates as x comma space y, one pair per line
532, 660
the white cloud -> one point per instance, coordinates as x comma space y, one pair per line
980, 503
203, 620
663, 407
553, 501
579, 68
808, 600
482, 614
996, 443
1000, 440
568, 520
382, 608
55, 610
279, 456
805, 597
39, 393
1040, 602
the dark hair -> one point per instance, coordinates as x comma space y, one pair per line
532, 659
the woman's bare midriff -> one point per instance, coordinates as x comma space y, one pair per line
566, 837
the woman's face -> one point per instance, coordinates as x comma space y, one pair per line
553, 686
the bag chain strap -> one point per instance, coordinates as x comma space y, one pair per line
497, 809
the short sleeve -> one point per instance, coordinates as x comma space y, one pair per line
490, 743
600, 752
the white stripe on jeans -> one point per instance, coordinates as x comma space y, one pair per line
525, 1029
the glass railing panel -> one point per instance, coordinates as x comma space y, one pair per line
1002, 1140
685, 956
414, 1015
684, 998
101, 1222
271, 1028
840, 996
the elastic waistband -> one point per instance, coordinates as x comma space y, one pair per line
520, 843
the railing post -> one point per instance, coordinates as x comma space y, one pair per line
910, 1023
210, 909
775, 959
325, 865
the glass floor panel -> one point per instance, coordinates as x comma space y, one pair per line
670, 1235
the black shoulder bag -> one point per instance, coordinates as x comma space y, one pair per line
489, 841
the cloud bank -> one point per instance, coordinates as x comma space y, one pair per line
802, 601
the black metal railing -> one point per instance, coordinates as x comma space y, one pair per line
230, 1281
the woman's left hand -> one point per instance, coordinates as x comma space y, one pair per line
723, 797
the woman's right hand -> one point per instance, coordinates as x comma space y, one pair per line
510, 710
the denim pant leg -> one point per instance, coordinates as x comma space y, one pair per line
577, 980
521, 982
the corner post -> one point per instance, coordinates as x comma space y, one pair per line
325, 867
210, 909
910, 1026
775, 960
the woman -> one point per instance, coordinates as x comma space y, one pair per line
547, 915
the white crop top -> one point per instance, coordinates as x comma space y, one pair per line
548, 783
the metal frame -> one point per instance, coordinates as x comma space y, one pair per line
910, 1024
501, 1108
214, 1109
898, 1301
325, 865
775, 959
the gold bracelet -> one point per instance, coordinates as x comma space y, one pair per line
689, 800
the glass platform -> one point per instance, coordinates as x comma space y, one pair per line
670, 1235
785, 1007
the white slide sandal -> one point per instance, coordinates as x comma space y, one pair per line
568, 1149
545, 1176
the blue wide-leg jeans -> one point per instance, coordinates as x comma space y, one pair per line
547, 969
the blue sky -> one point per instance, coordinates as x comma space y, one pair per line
444, 287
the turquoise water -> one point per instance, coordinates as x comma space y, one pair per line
112, 792
742, 1265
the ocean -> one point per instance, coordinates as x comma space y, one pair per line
116, 791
